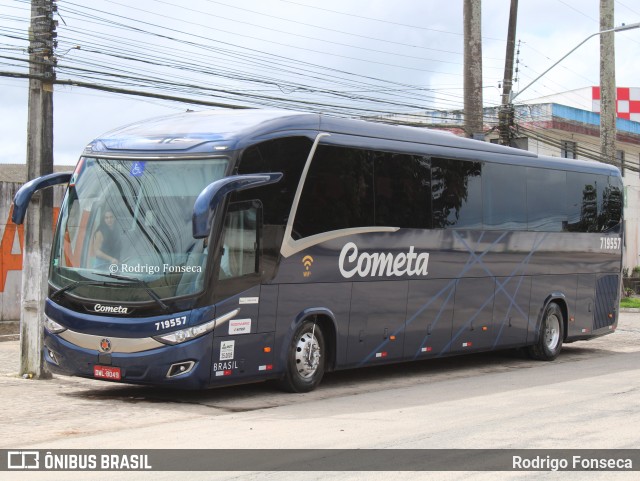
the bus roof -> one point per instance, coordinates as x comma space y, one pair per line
217, 131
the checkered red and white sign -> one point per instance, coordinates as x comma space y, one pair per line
627, 102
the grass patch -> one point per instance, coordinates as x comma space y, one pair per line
630, 302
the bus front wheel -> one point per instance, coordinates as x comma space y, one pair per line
551, 334
305, 359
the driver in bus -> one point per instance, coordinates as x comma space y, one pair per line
106, 243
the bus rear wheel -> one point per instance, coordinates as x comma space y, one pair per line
549, 342
305, 359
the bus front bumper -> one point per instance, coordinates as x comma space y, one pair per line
186, 366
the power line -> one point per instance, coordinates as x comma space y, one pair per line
304, 87
379, 20
408, 93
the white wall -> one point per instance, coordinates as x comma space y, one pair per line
11, 252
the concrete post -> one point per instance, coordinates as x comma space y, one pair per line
472, 16
607, 84
506, 114
38, 225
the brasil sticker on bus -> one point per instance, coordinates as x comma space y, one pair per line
107, 372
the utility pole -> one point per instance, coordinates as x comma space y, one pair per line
607, 85
472, 15
506, 114
38, 225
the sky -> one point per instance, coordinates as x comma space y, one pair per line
325, 56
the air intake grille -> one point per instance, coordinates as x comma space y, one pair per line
606, 296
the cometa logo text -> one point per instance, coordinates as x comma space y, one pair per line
111, 309
380, 264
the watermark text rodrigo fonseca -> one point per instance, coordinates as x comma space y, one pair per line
152, 269
571, 463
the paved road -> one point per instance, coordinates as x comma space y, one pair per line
588, 398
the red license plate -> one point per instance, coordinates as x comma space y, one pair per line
107, 372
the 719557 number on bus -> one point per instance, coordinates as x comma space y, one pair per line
610, 243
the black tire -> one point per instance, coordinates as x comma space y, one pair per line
551, 334
305, 359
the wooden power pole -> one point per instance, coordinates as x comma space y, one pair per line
38, 225
472, 15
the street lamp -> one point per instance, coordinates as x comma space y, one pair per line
631, 26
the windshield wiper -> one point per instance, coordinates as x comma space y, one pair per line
73, 285
140, 282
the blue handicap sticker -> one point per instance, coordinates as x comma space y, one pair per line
137, 169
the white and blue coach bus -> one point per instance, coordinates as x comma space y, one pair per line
214, 248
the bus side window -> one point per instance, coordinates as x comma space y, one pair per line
456, 188
612, 204
504, 197
582, 202
546, 200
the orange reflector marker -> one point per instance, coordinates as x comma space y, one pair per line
610, 316
266, 349
572, 319
485, 328
392, 338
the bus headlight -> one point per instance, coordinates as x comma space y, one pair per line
177, 337
52, 326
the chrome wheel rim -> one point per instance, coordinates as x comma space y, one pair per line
307, 355
552, 332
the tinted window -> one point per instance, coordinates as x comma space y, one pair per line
582, 202
457, 193
402, 190
280, 155
546, 200
612, 204
288, 156
338, 192
504, 189
348, 188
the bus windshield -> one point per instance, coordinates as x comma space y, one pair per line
125, 231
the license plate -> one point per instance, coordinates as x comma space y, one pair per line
107, 372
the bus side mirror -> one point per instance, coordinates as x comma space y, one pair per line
207, 202
24, 194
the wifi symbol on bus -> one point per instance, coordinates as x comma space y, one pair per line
307, 261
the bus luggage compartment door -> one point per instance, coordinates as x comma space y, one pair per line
429, 315
377, 321
511, 311
583, 319
473, 327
